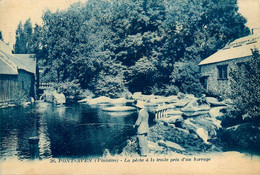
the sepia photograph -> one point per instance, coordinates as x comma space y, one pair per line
129, 87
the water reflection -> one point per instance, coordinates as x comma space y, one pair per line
44, 140
60, 130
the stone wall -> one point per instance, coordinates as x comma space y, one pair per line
214, 84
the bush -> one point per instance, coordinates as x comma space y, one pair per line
109, 85
71, 89
245, 86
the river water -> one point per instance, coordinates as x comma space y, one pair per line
77, 130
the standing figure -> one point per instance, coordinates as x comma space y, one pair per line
143, 128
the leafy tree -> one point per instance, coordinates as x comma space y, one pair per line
140, 45
196, 30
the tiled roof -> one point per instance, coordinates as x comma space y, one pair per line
236, 49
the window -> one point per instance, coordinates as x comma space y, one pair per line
222, 72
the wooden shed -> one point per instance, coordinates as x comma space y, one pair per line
17, 75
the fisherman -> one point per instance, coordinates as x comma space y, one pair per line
143, 128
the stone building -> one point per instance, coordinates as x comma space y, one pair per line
216, 68
17, 75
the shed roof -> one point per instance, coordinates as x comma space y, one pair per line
236, 49
26, 62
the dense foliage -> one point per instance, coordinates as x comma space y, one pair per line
246, 88
111, 47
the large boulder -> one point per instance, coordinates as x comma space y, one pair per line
196, 105
214, 101
59, 98
216, 112
203, 134
53, 96
203, 126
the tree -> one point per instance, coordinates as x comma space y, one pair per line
197, 29
23, 38
140, 45
245, 85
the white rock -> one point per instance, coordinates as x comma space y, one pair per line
203, 134
195, 106
59, 98
98, 100
215, 112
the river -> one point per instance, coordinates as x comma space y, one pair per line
76, 130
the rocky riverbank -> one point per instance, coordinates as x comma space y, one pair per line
197, 125
189, 125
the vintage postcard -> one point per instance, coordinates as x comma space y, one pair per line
129, 87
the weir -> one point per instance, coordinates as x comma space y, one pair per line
160, 112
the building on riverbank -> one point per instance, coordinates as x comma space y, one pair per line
216, 68
17, 75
